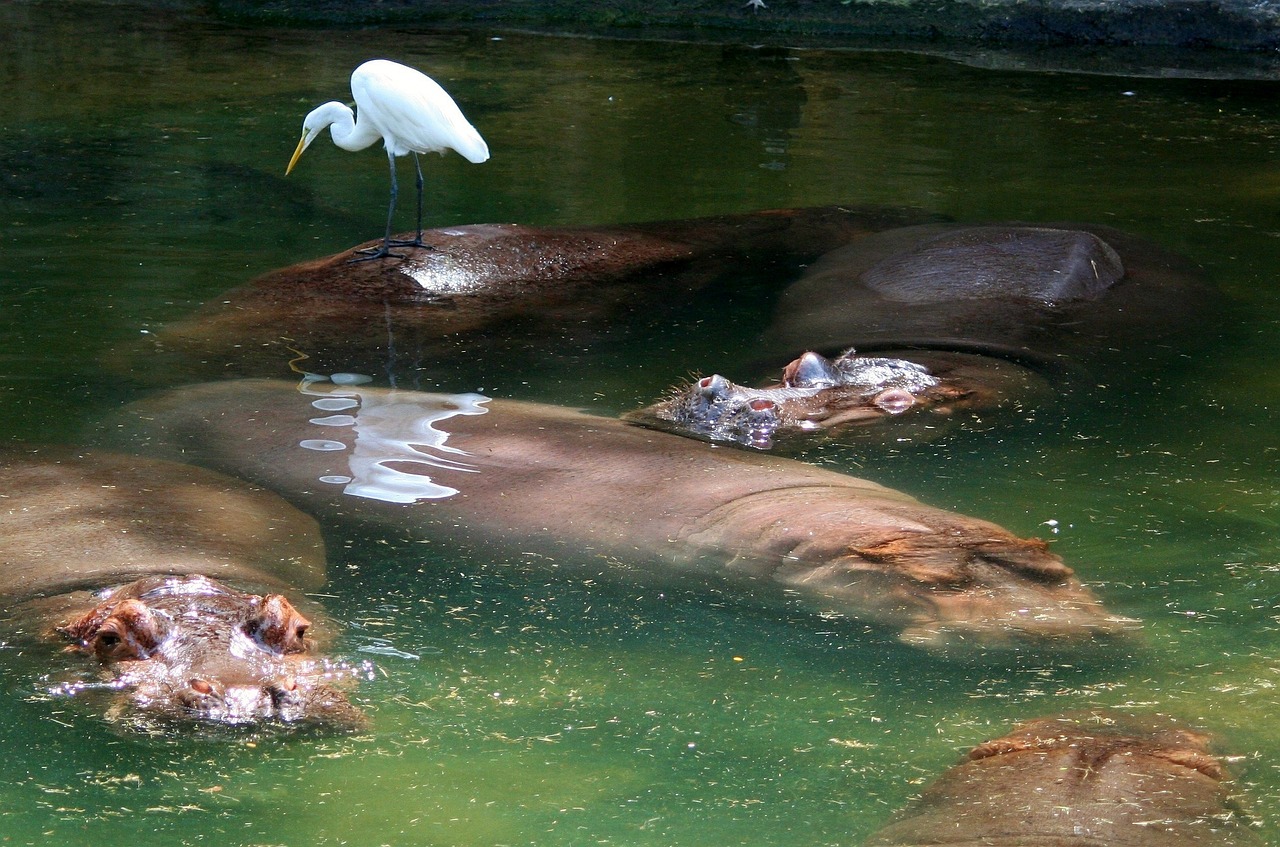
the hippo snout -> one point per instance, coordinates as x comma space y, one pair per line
282, 700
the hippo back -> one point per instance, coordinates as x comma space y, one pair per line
72, 520
1022, 291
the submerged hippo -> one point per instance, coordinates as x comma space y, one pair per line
530, 282
830, 396
528, 476
1028, 292
172, 581
952, 317
1079, 781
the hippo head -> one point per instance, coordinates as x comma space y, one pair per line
816, 394
191, 647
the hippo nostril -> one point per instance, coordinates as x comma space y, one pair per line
286, 698
761, 404
200, 696
895, 401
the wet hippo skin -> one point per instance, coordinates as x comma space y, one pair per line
532, 281
1083, 780
534, 477
1031, 291
173, 581
993, 313
829, 398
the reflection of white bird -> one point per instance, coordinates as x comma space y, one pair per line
410, 112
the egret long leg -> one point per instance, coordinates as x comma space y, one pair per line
385, 250
417, 240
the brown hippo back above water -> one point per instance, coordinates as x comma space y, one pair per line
522, 476
173, 580
1086, 780
528, 282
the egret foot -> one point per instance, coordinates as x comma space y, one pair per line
383, 252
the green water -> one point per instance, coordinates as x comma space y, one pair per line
141, 173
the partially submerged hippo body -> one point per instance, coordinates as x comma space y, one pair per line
529, 282
534, 477
1031, 292
1082, 780
989, 313
172, 580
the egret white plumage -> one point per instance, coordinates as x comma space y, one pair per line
410, 112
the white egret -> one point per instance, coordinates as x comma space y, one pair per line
410, 112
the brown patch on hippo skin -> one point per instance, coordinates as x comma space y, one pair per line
947, 583
193, 648
1080, 780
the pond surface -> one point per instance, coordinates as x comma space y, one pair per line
141, 174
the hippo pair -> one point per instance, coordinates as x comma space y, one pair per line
944, 318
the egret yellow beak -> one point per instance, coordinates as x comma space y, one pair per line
297, 154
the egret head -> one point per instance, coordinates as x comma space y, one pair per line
317, 120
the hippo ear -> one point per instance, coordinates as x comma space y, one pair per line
812, 370
279, 627
123, 632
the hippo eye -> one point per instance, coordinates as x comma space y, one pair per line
111, 645
130, 632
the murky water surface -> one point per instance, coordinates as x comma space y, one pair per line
141, 174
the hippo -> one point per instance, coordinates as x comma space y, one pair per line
530, 282
525, 476
171, 581
1030, 293
1086, 779
946, 318
817, 395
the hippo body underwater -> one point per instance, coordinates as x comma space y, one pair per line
172, 580
1034, 292
945, 318
1080, 780
534, 477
